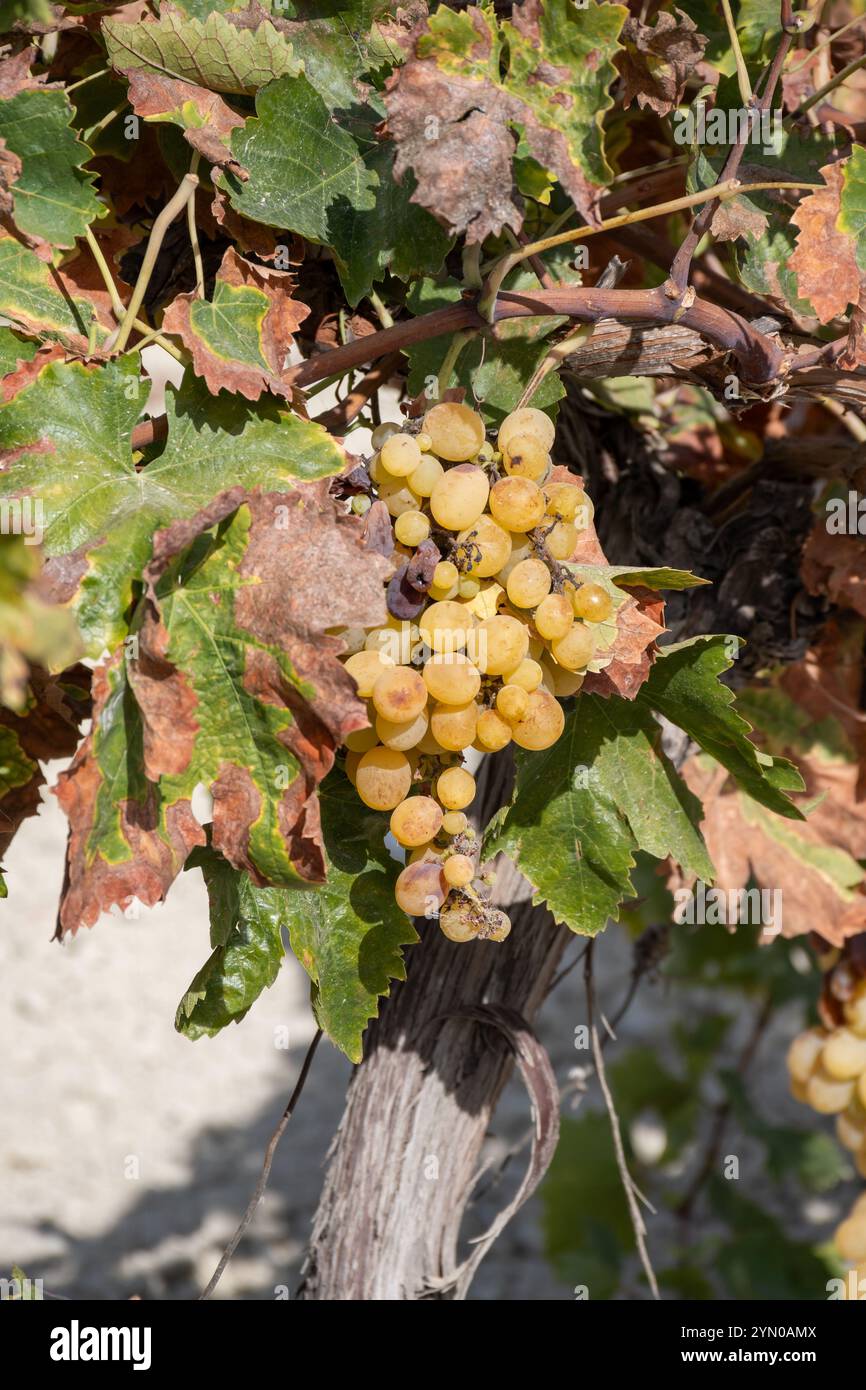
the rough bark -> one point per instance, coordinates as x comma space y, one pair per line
389, 1217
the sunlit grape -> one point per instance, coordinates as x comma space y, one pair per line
383, 777
453, 726
459, 496
365, 668
456, 431
459, 870
543, 723
455, 788
400, 455
416, 820
399, 694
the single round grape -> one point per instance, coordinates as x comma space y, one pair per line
592, 603
445, 627
554, 616
443, 595
562, 540
400, 455
451, 678
454, 822
521, 549
383, 778
426, 475
543, 724
524, 456
403, 734
360, 504
528, 583
527, 420
459, 870
359, 740
850, 1132
804, 1052
352, 760
512, 703
365, 668
398, 496
453, 726
425, 443
457, 921
844, 1055
517, 504
564, 500
455, 788
500, 928
421, 889
489, 545
468, 587
526, 674
498, 644
493, 732
827, 1095
460, 496
411, 528
575, 650
383, 432
445, 574
850, 1239
399, 694
855, 1012
560, 682
416, 820
456, 431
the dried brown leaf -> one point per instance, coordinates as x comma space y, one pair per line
657, 62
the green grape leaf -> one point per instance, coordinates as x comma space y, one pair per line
70, 432
629, 577
211, 53
304, 182
13, 348
245, 931
20, 780
53, 198
852, 203
39, 299
684, 686
348, 933
240, 338
604, 791
453, 110
395, 235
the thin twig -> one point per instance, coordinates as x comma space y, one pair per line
266, 1168
117, 304
742, 72
193, 231
176, 205
628, 1184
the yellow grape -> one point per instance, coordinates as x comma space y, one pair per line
425, 443
527, 420
459, 496
456, 431
365, 668
501, 927
493, 732
443, 595
394, 642
850, 1239
451, 678
454, 822
521, 549
526, 674
468, 588
459, 870
430, 744
512, 703
592, 603
352, 760
398, 496
420, 889
455, 788
798, 1091
844, 1055
487, 544
804, 1053
543, 724
383, 777
561, 541
561, 682
498, 644
359, 740
575, 650
425, 477
528, 583
849, 1131
403, 734
827, 1095
411, 528
553, 617
400, 455
524, 456
445, 574
564, 500
399, 694
445, 626
453, 726
855, 1012
517, 504
457, 921
416, 820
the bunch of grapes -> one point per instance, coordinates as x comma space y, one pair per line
487, 631
827, 1067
